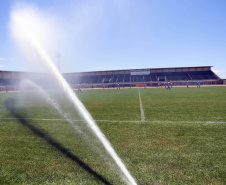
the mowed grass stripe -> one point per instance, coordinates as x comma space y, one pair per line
112, 104
185, 104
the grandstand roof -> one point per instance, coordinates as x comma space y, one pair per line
152, 70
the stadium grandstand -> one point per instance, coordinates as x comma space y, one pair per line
145, 77
127, 78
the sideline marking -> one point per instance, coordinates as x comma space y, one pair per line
141, 108
115, 121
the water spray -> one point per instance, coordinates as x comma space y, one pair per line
66, 117
25, 35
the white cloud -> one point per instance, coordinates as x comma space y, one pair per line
2, 59
220, 73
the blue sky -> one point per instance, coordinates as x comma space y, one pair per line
95, 35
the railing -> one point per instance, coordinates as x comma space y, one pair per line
151, 84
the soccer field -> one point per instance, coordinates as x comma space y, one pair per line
163, 136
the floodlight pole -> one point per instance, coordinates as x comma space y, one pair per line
58, 55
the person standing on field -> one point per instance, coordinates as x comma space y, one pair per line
187, 84
79, 88
168, 88
198, 84
118, 86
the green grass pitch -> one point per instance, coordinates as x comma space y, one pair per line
181, 141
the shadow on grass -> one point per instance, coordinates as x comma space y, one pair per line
9, 106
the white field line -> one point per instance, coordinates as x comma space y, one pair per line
141, 108
114, 121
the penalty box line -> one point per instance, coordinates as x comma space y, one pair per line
114, 121
141, 108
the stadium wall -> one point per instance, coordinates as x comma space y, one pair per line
224, 81
149, 84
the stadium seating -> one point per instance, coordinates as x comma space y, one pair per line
127, 78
